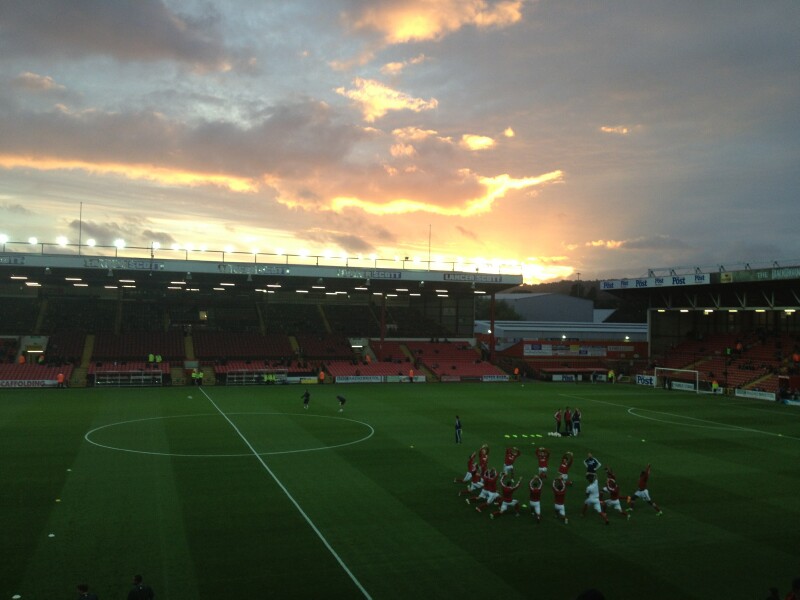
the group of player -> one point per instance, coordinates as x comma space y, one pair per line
482, 483
571, 419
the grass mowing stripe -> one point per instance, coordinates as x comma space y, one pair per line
290, 497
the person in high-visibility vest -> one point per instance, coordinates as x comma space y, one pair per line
411, 376
322, 376
60, 380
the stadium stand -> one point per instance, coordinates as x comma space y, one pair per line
353, 321
89, 315
19, 315
138, 345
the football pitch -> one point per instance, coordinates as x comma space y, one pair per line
240, 492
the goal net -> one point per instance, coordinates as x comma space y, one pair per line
687, 380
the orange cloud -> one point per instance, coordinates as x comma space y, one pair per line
605, 244
377, 99
496, 187
394, 68
418, 20
616, 129
476, 142
131, 171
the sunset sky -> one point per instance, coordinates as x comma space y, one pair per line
600, 138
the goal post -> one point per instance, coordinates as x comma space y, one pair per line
687, 380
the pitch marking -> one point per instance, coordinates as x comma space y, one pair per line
311, 524
87, 437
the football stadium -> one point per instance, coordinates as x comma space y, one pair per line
307, 427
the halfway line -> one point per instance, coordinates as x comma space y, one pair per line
291, 498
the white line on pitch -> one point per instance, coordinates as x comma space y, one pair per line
727, 426
291, 498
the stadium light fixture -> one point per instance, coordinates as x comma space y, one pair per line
91, 242
33, 241
155, 245
3, 239
61, 241
684, 310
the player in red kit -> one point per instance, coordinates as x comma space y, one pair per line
612, 489
476, 482
559, 495
643, 493
557, 416
535, 486
470, 468
508, 489
489, 492
543, 457
568, 421
563, 468
483, 457
508, 462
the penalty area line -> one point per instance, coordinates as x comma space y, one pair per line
290, 497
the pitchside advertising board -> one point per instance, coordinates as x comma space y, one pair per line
656, 282
646, 380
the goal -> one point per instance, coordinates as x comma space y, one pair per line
687, 380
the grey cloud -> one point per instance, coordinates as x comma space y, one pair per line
290, 139
656, 242
16, 209
127, 30
467, 233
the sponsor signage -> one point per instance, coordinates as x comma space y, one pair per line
656, 282
27, 383
359, 379
679, 385
494, 378
773, 274
755, 394
646, 380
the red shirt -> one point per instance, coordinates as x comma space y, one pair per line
536, 492
567, 416
566, 463
613, 489
471, 462
490, 482
476, 475
559, 494
511, 455
558, 415
543, 455
643, 479
483, 457
508, 492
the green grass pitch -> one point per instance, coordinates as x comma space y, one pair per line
240, 492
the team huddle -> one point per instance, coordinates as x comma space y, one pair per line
482, 483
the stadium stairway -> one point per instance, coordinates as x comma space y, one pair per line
177, 375
188, 346
79, 374
78, 378
209, 377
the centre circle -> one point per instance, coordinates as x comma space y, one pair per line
213, 435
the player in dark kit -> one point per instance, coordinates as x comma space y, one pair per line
341, 400
306, 398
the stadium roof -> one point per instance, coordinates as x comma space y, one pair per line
140, 270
